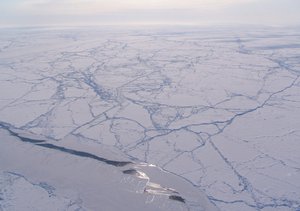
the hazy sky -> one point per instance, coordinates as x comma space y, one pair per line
89, 12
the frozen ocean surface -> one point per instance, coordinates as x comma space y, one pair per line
150, 119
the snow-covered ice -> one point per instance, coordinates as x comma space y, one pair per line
148, 118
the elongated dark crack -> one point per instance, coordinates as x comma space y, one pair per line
43, 143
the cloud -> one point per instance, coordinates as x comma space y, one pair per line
78, 7
149, 11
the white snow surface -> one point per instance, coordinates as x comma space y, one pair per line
172, 118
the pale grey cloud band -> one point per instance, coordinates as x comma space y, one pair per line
43, 12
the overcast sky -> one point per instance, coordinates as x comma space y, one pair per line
90, 12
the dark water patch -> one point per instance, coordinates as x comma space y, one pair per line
177, 198
42, 143
85, 154
24, 139
47, 188
130, 172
